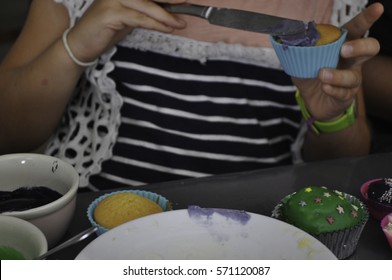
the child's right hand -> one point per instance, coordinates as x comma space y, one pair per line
108, 21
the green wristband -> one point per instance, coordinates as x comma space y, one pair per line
318, 127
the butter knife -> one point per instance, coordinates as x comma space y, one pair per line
240, 19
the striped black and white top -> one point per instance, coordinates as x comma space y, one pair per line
183, 118
160, 107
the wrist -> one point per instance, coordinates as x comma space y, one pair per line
71, 54
336, 124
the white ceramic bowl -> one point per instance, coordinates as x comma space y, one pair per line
20, 170
22, 236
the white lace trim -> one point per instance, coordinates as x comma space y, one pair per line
90, 125
147, 40
344, 10
89, 129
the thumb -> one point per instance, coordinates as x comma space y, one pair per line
361, 23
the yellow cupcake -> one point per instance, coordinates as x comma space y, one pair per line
328, 34
123, 207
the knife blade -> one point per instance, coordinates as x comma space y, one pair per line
240, 19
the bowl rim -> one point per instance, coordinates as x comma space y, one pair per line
365, 187
54, 205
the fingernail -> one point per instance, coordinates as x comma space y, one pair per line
347, 50
327, 75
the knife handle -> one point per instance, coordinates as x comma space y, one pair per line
193, 10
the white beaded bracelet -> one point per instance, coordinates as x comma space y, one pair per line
71, 55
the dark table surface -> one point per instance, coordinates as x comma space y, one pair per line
259, 191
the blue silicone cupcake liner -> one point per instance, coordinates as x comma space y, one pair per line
306, 62
160, 200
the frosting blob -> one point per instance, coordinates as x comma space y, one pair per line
307, 39
237, 215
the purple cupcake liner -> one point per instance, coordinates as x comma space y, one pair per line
160, 200
306, 62
386, 226
341, 243
377, 210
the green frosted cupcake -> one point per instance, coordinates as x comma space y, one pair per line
335, 218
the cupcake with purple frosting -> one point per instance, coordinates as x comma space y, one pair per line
304, 55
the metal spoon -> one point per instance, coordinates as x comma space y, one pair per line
73, 240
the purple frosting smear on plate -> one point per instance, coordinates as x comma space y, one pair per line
236, 215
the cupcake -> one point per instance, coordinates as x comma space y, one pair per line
116, 208
386, 226
336, 219
303, 55
377, 194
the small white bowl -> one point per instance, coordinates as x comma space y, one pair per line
21, 236
21, 170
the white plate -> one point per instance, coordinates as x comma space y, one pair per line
200, 233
